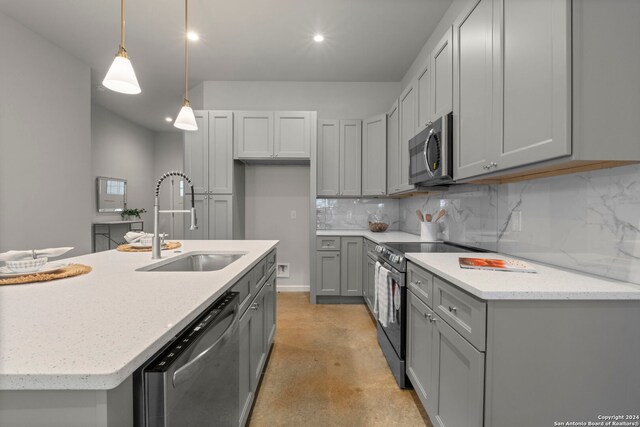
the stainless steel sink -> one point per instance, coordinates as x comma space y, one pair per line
195, 261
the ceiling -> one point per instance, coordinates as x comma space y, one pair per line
246, 40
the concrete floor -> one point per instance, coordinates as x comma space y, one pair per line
326, 369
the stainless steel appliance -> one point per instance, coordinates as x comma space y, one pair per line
392, 338
194, 380
431, 154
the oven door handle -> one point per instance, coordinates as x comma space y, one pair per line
392, 272
193, 364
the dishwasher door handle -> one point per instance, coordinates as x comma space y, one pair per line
193, 365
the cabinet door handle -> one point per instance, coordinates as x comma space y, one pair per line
254, 306
427, 316
269, 284
494, 164
432, 319
453, 309
419, 283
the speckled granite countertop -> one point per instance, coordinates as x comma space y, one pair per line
91, 332
548, 283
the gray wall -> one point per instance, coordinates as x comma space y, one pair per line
272, 192
330, 99
45, 143
123, 149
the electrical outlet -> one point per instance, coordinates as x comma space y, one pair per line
516, 221
294, 214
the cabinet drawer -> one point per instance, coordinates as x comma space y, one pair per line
259, 273
420, 282
463, 312
271, 260
328, 243
244, 288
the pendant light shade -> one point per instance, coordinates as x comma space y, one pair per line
186, 120
121, 77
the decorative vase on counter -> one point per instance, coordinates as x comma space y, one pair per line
378, 222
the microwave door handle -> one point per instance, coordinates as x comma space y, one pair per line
192, 365
426, 146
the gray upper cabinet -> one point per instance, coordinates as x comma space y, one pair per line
512, 85
442, 77
374, 156
254, 134
473, 138
292, 139
423, 88
393, 149
196, 153
532, 81
408, 116
339, 158
220, 154
351, 266
269, 135
350, 157
328, 158
220, 217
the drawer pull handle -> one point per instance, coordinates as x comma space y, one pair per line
254, 306
453, 309
419, 283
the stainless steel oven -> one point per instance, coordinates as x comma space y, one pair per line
194, 380
431, 154
392, 338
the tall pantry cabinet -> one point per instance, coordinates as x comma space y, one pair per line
218, 181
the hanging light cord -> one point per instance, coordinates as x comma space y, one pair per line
186, 53
122, 24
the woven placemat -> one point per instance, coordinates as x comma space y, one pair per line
167, 246
68, 271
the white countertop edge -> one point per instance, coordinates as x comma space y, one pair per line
112, 379
632, 293
383, 237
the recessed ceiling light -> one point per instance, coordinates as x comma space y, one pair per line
168, 119
318, 38
193, 36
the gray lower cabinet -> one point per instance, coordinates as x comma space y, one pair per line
327, 272
257, 331
351, 266
457, 379
369, 282
339, 266
419, 349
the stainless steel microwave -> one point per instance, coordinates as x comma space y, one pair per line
431, 154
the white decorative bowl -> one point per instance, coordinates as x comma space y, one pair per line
27, 265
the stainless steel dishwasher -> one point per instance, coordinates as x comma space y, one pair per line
194, 380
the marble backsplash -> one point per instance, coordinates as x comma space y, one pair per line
588, 221
352, 214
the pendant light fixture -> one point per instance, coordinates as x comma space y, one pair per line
121, 77
186, 120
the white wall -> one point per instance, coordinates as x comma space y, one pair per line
272, 192
168, 155
45, 143
332, 100
123, 149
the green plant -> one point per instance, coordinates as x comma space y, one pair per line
132, 212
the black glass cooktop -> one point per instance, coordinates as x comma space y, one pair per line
439, 247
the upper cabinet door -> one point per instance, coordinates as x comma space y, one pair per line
350, 157
196, 154
532, 80
423, 87
374, 159
442, 77
393, 149
254, 134
221, 152
473, 138
292, 134
408, 116
328, 158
